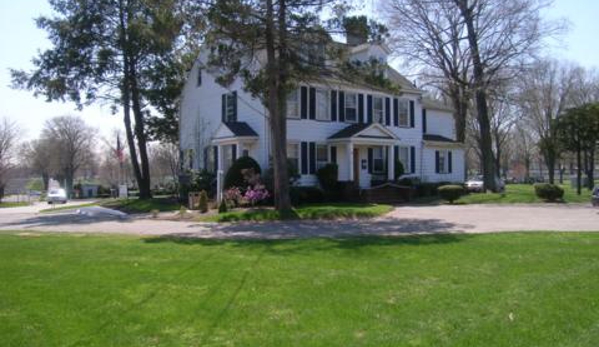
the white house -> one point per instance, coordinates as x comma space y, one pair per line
359, 128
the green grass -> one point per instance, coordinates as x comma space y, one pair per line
58, 208
534, 289
7, 204
514, 194
312, 211
142, 206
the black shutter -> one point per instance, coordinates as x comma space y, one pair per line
449, 162
424, 121
360, 108
312, 158
215, 159
333, 105
304, 146
312, 113
395, 160
412, 121
370, 160
413, 159
388, 111
234, 103
395, 112
304, 102
341, 106
386, 159
333, 158
437, 162
224, 108
234, 150
369, 108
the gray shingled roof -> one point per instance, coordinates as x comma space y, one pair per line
349, 131
240, 129
437, 138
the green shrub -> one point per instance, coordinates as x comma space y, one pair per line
222, 208
399, 169
549, 192
306, 195
235, 176
450, 192
203, 205
328, 177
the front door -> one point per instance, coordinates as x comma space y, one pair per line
356, 166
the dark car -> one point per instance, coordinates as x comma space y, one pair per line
595, 196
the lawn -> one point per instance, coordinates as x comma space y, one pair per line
135, 205
311, 211
58, 208
514, 194
7, 204
535, 289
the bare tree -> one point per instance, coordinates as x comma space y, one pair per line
37, 156
474, 45
9, 136
164, 163
71, 141
545, 93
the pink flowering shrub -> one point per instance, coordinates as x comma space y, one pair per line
255, 194
233, 196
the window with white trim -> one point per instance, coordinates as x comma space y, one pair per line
322, 156
404, 157
443, 167
377, 109
351, 107
231, 107
293, 104
403, 111
227, 157
293, 155
322, 105
378, 160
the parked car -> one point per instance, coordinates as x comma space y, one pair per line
595, 196
57, 196
475, 184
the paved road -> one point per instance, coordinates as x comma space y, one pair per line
403, 220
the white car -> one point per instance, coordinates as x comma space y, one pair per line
475, 184
57, 196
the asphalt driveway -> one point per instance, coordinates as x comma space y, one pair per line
402, 220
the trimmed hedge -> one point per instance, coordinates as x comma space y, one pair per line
450, 192
306, 195
234, 176
549, 192
327, 177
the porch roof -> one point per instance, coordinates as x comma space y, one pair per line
374, 132
234, 132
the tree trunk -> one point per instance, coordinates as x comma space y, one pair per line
144, 183
460, 104
275, 104
591, 171
480, 95
578, 169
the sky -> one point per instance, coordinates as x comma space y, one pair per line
20, 40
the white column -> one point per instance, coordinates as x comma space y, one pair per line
350, 160
391, 163
219, 174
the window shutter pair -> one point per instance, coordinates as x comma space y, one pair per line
308, 158
449, 162
388, 111
395, 112
412, 120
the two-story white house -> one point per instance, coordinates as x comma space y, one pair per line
361, 129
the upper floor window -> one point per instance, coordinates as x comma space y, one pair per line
442, 162
229, 107
351, 107
322, 105
293, 104
404, 115
377, 110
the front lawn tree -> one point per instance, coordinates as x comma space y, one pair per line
9, 136
110, 52
271, 46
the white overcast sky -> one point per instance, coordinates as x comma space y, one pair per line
20, 40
